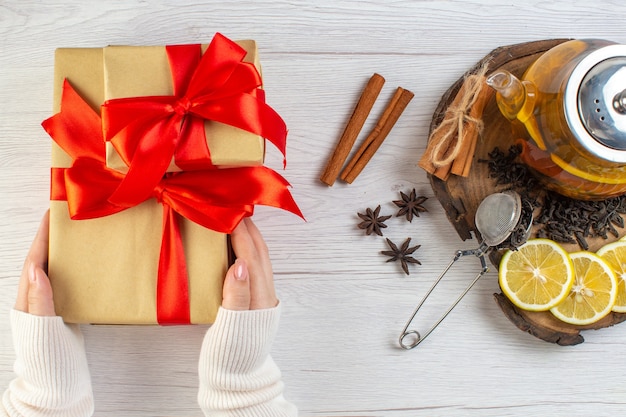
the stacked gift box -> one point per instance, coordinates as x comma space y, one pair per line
157, 155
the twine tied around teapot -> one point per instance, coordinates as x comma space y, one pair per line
451, 145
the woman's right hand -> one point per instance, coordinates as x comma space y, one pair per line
249, 282
34, 294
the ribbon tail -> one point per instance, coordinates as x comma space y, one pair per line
275, 191
77, 127
247, 112
219, 198
172, 281
57, 184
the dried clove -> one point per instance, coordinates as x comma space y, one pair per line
562, 219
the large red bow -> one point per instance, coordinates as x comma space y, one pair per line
149, 131
214, 198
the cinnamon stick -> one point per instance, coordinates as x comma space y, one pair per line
463, 162
435, 141
452, 144
370, 145
469, 159
443, 172
352, 129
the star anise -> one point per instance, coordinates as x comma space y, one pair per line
410, 205
402, 254
372, 221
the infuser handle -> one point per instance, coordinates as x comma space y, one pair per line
415, 337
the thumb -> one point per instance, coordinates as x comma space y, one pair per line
40, 301
236, 291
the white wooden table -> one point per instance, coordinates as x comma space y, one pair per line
344, 306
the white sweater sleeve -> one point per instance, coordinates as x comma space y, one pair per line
51, 367
238, 378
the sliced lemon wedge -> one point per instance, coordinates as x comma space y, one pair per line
614, 254
537, 276
593, 293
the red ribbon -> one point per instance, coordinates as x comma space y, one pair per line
149, 131
214, 198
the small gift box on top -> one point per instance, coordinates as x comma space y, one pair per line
133, 72
157, 155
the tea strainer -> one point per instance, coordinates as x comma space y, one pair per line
497, 216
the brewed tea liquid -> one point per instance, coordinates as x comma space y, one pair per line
542, 113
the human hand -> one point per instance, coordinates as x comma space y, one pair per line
34, 294
249, 282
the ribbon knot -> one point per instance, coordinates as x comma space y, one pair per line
158, 192
182, 106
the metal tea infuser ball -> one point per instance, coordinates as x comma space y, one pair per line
497, 216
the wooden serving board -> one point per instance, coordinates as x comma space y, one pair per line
460, 197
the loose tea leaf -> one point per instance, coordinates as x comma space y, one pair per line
372, 221
410, 205
566, 220
562, 219
508, 170
402, 254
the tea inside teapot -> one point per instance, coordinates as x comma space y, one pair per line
571, 103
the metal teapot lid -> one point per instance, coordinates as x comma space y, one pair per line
595, 102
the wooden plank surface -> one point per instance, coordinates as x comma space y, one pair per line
344, 306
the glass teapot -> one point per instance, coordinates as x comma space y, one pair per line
571, 103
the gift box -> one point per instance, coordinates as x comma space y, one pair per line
132, 71
159, 258
103, 271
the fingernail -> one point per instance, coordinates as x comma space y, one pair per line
32, 275
241, 272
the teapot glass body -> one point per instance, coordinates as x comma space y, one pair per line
571, 105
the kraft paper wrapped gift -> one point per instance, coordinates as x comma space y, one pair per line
103, 270
132, 71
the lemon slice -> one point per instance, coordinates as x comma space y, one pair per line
593, 294
614, 254
537, 276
